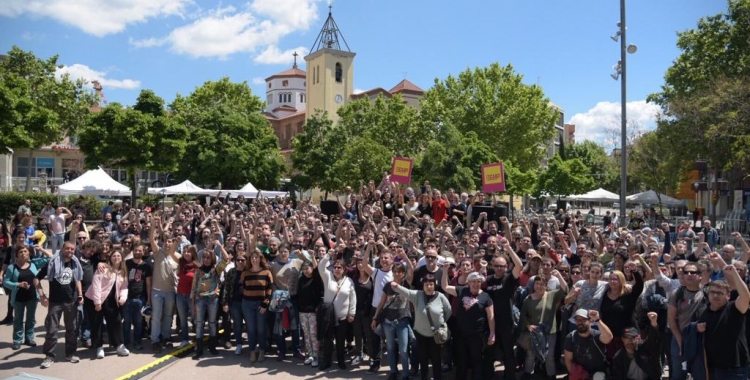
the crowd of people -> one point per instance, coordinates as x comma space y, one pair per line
418, 276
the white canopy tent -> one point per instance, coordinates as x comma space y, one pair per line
250, 191
650, 197
185, 187
94, 182
598, 195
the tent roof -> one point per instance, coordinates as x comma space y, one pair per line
650, 197
250, 191
94, 182
598, 195
186, 187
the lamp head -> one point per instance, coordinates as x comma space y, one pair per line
615, 76
631, 48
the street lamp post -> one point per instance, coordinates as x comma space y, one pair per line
621, 73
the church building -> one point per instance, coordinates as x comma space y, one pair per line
328, 84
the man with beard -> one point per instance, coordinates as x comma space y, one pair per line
139, 292
273, 249
501, 286
431, 259
639, 360
584, 348
64, 274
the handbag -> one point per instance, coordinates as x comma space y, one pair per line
279, 299
440, 334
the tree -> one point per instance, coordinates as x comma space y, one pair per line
563, 178
36, 107
704, 96
141, 137
362, 159
230, 142
652, 168
316, 150
602, 167
388, 122
513, 119
454, 160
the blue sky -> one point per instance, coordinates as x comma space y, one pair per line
173, 46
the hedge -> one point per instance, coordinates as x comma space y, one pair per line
10, 201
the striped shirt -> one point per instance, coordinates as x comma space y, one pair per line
256, 286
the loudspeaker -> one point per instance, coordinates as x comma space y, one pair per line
329, 207
501, 209
476, 210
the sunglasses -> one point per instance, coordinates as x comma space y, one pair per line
431, 257
81, 238
338, 267
691, 272
576, 272
240, 260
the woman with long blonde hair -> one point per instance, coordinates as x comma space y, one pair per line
618, 307
109, 292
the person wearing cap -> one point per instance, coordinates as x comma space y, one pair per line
533, 264
639, 359
584, 347
476, 327
427, 300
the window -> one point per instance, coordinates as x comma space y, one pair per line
285, 83
339, 72
36, 166
301, 98
281, 98
269, 84
269, 99
317, 74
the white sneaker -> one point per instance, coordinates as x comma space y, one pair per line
122, 350
238, 350
308, 360
314, 363
183, 344
100, 353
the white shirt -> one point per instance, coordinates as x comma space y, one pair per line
56, 223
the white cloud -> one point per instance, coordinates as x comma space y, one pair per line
96, 17
593, 124
224, 31
272, 55
358, 91
259, 80
79, 71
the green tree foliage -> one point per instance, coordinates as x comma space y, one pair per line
714, 64
650, 166
454, 160
230, 142
602, 167
362, 159
316, 151
141, 137
519, 182
389, 122
563, 178
36, 107
510, 117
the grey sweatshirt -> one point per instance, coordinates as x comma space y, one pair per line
439, 309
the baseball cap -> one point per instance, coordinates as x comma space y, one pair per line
450, 260
581, 313
533, 256
631, 332
646, 230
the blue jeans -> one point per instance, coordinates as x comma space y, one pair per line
83, 325
256, 324
183, 311
206, 307
398, 330
740, 373
162, 304
235, 310
132, 317
294, 322
56, 242
21, 332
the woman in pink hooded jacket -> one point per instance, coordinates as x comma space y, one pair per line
109, 291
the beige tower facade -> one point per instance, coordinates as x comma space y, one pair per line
330, 81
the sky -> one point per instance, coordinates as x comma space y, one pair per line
174, 46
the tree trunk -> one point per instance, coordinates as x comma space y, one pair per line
134, 186
28, 175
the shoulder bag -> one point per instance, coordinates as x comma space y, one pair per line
440, 334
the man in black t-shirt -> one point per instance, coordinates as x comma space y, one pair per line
585, 346
139, 292
723, 325
65, 294
431, 258
501, 286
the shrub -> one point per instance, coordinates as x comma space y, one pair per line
10, 201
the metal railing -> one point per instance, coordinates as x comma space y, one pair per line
38, 184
